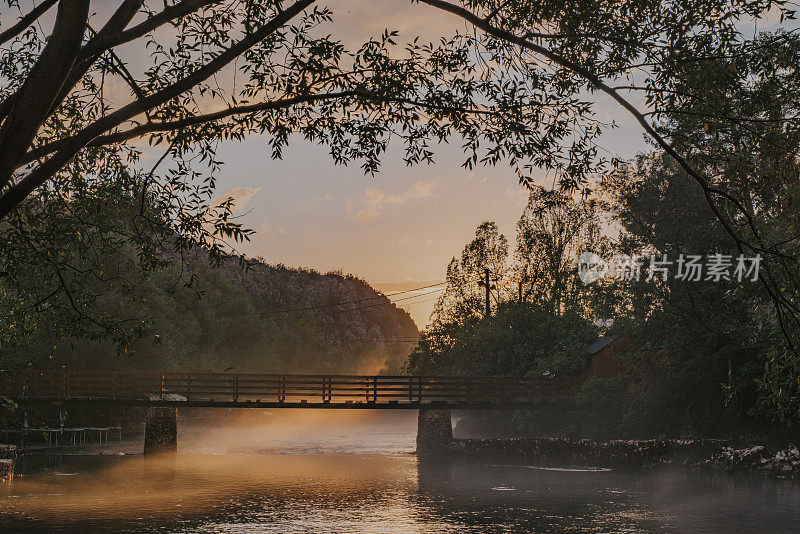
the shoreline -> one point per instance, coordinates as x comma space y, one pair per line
687, 454
780, 463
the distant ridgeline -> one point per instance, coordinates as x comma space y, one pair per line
355, 328
266, 318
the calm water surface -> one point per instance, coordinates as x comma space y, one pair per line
322, 472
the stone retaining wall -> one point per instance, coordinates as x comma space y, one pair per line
585, 452
435, 439
782, 463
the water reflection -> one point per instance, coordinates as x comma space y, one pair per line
530, 499
316, 487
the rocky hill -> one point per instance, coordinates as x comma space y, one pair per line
265, 319
357, 322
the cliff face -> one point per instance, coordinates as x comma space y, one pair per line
364, 332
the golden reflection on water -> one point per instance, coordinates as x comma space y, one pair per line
187, 484
353, 473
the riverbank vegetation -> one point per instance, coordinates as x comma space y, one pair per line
695, 357
108, 172
99, 295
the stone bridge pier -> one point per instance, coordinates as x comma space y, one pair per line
434, 432
161, 430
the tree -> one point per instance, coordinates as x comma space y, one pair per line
516, 90
465, 293
552, 232
61, 260
708, 89
518, 340
720, 103
294, 82
540, 334
586, 46
699, 348
222, 69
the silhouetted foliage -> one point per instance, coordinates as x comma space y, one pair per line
520, 339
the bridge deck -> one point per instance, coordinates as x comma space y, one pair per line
143, 388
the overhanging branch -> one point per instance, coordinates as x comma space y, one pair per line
26, 21
768, 280
42, 86
16, 193
282, 103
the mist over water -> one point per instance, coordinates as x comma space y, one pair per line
348, 471
302, 431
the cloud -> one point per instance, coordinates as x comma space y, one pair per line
268, 232
305, 204
241, 198
517, 193
402, 242
373, 201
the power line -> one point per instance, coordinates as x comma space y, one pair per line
379, 304
322, 306
419, 302
376, 305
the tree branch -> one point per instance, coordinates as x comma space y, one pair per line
118, 21
42, 86
594, 80
167, 15
19, 191
114, 34
166, 126
26, 21
599, 84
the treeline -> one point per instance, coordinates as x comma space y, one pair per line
103, 280
700, 353
258, 319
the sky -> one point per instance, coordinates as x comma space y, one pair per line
399, 228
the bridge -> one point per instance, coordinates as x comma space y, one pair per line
148, 388
163, 392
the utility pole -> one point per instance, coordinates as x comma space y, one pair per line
488, 292
486, 283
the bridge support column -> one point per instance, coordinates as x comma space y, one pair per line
161, 430
434, 432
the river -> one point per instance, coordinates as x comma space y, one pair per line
309, 471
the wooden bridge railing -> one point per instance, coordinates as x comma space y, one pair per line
280, 388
